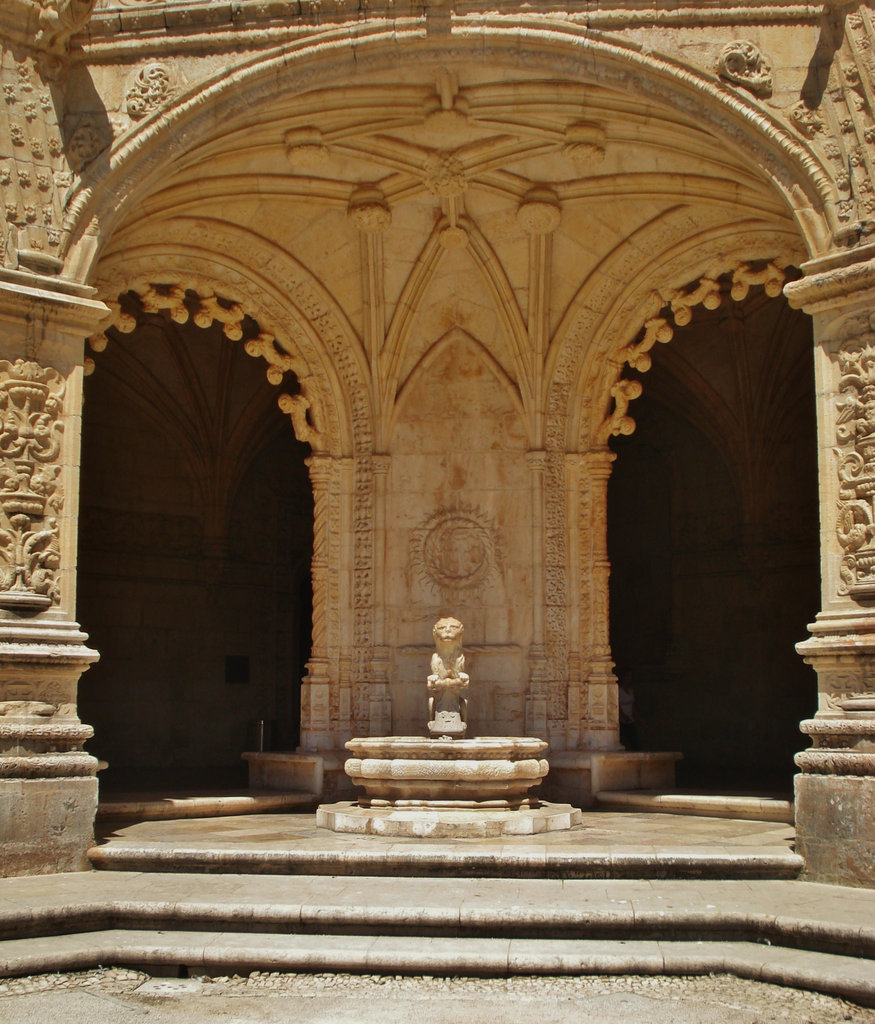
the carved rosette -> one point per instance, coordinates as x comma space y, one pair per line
456, 552
31, 402
855, 450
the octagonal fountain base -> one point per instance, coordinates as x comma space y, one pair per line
445, 788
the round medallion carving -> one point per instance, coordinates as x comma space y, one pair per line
456, 550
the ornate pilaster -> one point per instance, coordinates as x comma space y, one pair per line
380, 703
536, 695
316, 686
48, 784
599, 708
835, 790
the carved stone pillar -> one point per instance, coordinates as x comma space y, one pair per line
602, 726
835, 790
48, 783
316, 685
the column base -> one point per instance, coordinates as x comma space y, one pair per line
835, 797
835, 828
47, 825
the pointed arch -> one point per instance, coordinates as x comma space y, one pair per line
278, 292
454, 335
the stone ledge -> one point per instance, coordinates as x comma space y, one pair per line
508, 863
742, 808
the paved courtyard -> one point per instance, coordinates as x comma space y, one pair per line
118, 997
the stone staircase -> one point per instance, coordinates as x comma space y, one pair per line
623, 894
785, 932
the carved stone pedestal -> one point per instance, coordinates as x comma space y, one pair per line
835, 799
48, 783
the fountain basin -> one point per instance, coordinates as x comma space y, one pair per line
445, 788
493, 771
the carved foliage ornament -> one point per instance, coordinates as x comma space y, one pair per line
31, 498
741, 63
150, 87
855, 450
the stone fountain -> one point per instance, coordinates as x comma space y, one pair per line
445, 784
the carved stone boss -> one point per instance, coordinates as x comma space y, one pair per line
855, 450
31, 497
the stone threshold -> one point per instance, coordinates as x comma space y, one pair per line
234, 952
709, 805
167, 807
503, 861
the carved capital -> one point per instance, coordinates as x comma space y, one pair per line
834, 281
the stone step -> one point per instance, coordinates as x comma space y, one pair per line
205, 953
542, 914
789, 932
175, 806
739, 807
438, 861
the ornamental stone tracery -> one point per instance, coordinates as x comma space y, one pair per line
182, 303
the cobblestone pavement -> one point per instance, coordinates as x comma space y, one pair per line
117, 996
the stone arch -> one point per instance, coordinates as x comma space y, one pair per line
106, 192
286, 300
611, 331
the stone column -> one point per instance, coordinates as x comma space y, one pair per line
48, 783
602, 724
316, 685
835, 790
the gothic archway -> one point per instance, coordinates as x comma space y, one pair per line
713, 542
195, 546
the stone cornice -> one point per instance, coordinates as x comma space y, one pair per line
69, 306
834, 281
257, 23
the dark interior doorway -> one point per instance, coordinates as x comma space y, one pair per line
195, 548
714, 545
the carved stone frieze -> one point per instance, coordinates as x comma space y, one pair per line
31, 496
855, 450
150, 87
743, 64
32, 172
